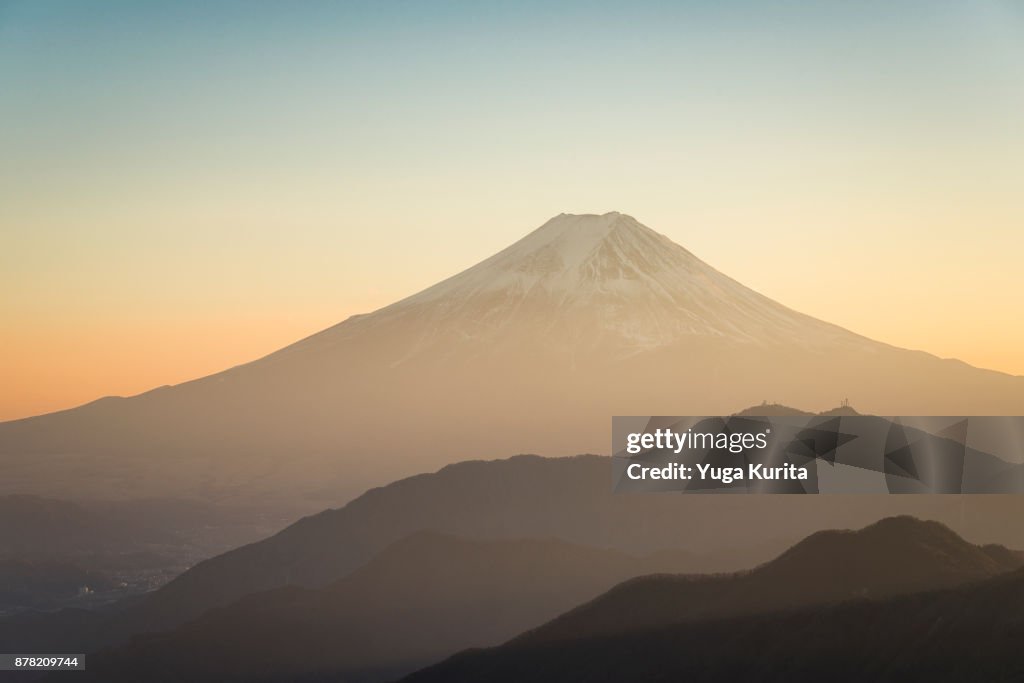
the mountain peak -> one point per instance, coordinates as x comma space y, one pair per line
605, 280
588, 247
891, 557
589, 224
581, 231
904, 544
572, 257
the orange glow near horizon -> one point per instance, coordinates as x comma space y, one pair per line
50, 368
48, 365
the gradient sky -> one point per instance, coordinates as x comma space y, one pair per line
187, 186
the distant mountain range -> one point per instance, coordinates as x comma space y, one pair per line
522, 497
531, 350
430, 595
417, 601
893, 556
526, 497
768, 629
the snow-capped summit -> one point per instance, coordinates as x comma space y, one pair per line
568, 253
595, 280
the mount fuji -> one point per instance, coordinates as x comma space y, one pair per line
531, 350
587, 282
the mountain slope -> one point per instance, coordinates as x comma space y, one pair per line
522, 497
430, 594
590, 281
422, 598
893, 556
969, 633
529, 351
776, 622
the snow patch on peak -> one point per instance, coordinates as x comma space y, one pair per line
569, 254
574, 237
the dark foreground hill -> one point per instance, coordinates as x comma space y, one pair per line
966, 634
421, 599
894, 556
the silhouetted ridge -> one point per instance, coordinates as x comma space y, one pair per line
891, 557
767, 409
968, 633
